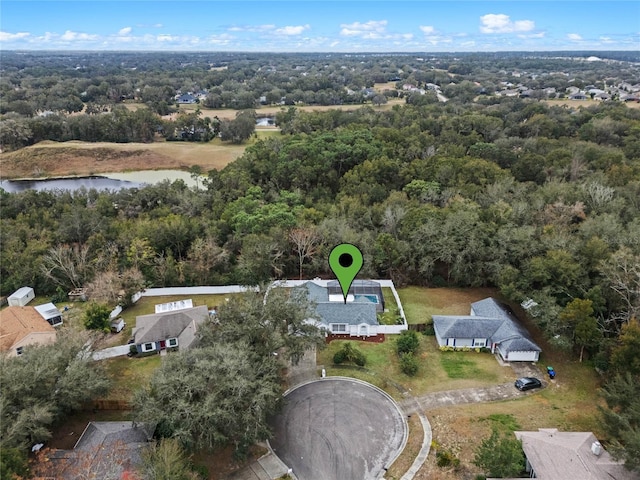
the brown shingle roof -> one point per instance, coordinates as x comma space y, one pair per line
18, 322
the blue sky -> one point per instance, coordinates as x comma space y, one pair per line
311, 26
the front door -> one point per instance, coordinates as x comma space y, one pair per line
162, 344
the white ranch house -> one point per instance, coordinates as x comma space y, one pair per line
489, 325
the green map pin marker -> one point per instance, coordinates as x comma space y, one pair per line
345, 261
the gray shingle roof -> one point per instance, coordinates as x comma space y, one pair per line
161, 326
568, 455
108, 433
489, 308
492, 321
352, 313
465, 326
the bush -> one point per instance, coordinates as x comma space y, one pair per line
96, 317
408, 342
445, 458
409, 364
349, 354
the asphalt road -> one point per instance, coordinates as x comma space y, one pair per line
338, 429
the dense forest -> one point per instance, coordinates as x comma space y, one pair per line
540, 201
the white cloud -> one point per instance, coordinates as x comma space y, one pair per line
222, 39
125, 31
532, 35
607, 40
157, 25
292, 30
574, 37
252, 28
70, 36
371, 29
438, 39
7, 37
501, 23
427, 29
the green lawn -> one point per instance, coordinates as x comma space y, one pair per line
129, 374
438, 370
421, 303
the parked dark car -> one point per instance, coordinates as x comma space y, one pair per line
527, 383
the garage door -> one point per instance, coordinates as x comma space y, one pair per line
525, 356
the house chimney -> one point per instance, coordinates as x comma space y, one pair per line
596, 448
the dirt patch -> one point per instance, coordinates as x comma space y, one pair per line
82, 158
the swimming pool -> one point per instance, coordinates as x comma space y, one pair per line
371, 298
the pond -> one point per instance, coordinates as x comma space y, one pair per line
266, 122
105, 181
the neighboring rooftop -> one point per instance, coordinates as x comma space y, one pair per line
557, 455
16, 323
180, 324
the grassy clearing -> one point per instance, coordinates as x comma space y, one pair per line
84, 158
420, 303
129, 375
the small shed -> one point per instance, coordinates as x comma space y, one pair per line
50, 313
21, 297
117, 325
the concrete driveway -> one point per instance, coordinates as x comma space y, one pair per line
338, 428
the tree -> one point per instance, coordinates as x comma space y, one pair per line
239, 129
67, 265
277, 322
305, 242
407, 342
213, 396
621, 417
622, 271
96, 317
348, 353
14, 463
625, 356
166, 460
379, 99
500, 455
578, 317
409, 364
44, 384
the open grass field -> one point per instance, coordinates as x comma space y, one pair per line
269, 111
74, 158
584, 103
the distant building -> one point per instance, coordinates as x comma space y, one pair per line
186, 98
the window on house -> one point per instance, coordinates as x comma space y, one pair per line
172, 342
147, 347
19, 350
480, 342
338, 327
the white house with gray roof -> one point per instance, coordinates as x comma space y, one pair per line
168, 329
355, 318
489, 325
